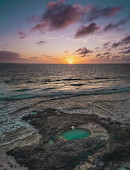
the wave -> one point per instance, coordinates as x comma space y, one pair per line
101, 78
23, 90
23, 81
65, 93
79, 84
47, 80
85, 79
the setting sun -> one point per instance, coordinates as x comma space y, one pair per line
70, 61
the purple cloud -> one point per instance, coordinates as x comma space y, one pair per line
53, 5
59, 15
106, 53
126, 58
121, 58
22, 35
83, 51
96, 12
106, 44
104, 57
126, 48
86, 30
41, 43
114, 26
98, 55
9, 56
124, 41
116, 57
126, 52
115, 44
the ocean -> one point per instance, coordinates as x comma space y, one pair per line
29, 88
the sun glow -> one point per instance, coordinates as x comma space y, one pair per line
70, 61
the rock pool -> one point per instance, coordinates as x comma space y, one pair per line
75, 134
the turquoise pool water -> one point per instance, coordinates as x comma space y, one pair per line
75, 134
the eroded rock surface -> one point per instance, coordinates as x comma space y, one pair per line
106, 148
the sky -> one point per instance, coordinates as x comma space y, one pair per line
65, 31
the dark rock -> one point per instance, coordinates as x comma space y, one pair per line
65, 155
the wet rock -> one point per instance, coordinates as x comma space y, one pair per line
63, 155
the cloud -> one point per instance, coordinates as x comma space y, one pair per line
22, 35
48, 56
96, 12
86, 30
41, 43
6, 56
124, 41
53, 5
126, 52
34, 58
126, 48
98, 55
32, 19
116, 57
114, 26
66, 51
59, 15
102, 57
115, 44
83, 51
126, 58
41, 27
106, 44
106, 53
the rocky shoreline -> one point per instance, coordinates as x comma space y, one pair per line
106, 148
